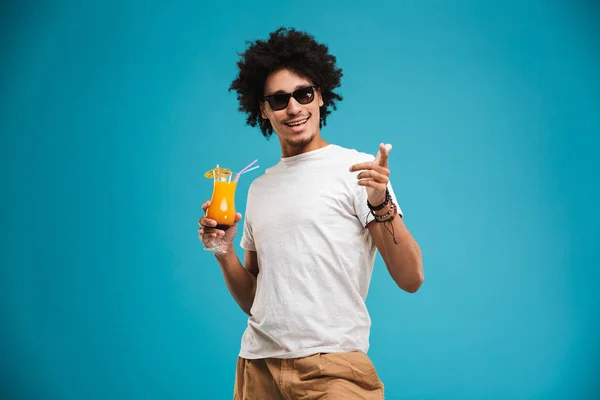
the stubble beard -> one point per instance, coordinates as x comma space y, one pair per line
302, 142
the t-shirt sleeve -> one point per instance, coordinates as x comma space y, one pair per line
247, 241
362, 209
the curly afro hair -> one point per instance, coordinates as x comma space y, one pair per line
285, 49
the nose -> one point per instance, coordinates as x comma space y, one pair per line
293, 107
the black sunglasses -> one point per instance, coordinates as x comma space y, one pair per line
304, 95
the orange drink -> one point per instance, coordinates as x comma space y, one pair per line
222, 204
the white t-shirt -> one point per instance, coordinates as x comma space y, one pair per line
306, 218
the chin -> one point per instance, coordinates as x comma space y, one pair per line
301, 140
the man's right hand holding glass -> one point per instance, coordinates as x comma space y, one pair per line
210, 236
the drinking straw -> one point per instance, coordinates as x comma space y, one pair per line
248, 170
244, 170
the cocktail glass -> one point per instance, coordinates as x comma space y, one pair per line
222, 204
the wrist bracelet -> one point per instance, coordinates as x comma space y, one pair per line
388, 197
388, 216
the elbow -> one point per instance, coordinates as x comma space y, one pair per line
412, 284
247, 308
408, 274
418, 277
413, 281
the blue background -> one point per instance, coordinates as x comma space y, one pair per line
111, 113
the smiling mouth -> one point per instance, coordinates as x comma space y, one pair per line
297, 123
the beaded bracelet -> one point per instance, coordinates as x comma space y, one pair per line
388, 197
388, 216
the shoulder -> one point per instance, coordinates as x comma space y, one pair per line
266, 178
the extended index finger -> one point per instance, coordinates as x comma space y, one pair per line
367, 165
384, 150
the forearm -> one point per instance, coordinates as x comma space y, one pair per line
240, 282
401, 253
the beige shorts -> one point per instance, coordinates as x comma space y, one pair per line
344, 376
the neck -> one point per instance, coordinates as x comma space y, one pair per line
293, 149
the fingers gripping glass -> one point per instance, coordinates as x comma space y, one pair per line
304, 95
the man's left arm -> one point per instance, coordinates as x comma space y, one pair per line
399, 250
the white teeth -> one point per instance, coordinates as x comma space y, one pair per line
297, 123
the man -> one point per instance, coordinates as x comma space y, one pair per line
313, 224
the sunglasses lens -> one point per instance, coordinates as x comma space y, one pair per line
279, 101
304, 96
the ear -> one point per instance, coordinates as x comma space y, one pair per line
320, 98
263, 112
